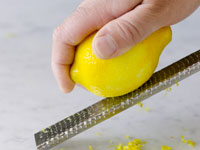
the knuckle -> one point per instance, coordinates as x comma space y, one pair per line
130, 31
159, 9
62, 33
91, 8
57, 33
158, 6
63, 29
82, 9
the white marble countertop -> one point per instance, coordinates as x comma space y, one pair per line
30, 99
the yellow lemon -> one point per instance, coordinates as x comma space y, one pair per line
119, 75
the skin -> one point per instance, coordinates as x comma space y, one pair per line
121, 25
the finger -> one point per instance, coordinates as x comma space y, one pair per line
61, 73
61, 61
119, 35
91, 15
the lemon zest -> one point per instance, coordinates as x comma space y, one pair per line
184, 129
111, 146
140, 104
169, 89
177, 84
165, 147
110, 141
11, 35
189, 142
42, 130
147, 109
98, 134
127, 137
90, 147
136, 144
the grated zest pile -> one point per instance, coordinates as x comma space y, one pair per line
135, 144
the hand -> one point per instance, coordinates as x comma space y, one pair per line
122, 24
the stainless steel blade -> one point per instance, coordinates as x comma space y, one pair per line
109, 107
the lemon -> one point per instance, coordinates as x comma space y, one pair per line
122, 74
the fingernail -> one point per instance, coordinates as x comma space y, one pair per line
105, 46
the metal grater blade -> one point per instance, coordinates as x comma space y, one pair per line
109, 107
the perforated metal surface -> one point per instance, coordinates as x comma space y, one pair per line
109, 107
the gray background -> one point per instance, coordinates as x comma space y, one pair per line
30, 99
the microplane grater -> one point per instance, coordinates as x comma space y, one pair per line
111, 106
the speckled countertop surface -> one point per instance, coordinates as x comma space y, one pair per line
30, 99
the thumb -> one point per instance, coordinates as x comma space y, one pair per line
119, 35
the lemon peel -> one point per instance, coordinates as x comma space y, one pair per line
120, 75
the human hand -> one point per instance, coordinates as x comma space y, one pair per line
121, 25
